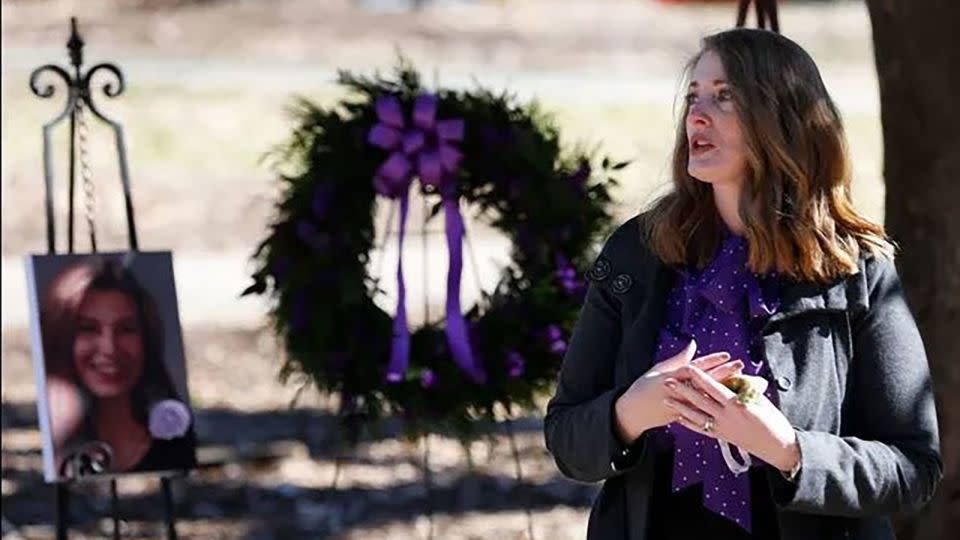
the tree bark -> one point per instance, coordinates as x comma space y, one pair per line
917, 53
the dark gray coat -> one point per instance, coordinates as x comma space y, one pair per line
850, 369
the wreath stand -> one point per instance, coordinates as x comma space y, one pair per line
79, 104
424, 440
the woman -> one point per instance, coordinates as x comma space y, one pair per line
112, 404
755, 268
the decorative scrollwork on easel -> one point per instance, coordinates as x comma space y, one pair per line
47, 91
79, 94
108, 88
92, 458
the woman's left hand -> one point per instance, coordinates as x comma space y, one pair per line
759, 428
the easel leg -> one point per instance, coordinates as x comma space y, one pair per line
168, 503
516, 459
63, 511
115, 509
427, 484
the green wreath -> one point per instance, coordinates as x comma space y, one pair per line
505, 161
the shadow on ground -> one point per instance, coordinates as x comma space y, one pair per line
249, 477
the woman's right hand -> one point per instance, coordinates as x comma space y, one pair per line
641, 407
66, 409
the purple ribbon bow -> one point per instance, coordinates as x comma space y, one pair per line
425, 149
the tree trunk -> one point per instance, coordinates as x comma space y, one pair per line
917, 51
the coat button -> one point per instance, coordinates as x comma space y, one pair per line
784, 383
621, 283
600, 271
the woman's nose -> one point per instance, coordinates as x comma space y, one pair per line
106, 341
698, 114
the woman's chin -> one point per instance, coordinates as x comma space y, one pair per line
107, 391
712, 176
701, 175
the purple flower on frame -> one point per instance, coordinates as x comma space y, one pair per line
169, 419
553, 332
554, 338
566, 275
515, 364
428, 378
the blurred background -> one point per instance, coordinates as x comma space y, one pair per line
208, 85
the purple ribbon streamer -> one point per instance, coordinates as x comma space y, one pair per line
456, 325
424, 151
400, 348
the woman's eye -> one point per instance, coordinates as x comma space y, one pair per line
724, 95
86, 328
128, 328
690, 98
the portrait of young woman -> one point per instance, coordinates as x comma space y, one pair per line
112, 404
745, 364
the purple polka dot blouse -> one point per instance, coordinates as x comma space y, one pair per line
723, 307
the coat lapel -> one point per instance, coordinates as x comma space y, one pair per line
646, 318
805, 354
798, 298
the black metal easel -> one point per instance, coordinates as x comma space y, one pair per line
766, 12
77, 104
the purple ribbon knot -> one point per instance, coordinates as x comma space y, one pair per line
425, 150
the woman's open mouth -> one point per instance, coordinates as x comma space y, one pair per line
700, 147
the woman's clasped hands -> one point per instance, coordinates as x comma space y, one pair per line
702, 404
643, 406
689, 391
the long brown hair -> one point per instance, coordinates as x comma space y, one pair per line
796, 203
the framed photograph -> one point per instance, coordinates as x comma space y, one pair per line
109, 364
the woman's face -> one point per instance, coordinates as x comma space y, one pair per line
108, 348
717, 151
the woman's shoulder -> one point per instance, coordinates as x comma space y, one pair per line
878, 277
625, 256
876, 274
628, 241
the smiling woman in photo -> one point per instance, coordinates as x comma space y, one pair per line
113, 406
